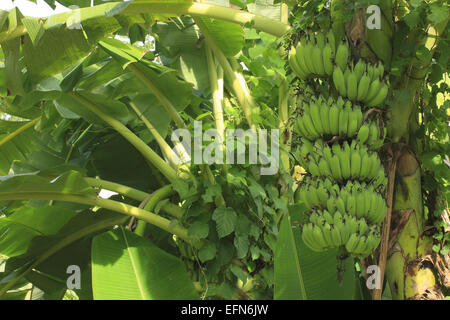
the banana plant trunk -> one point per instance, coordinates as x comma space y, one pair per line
410, 270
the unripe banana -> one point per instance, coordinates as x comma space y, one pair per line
339, 81
352, 243
342, 55
308, 55
355, 165
315, 116
373, 90
318, 237
324, 117
335, 166
352, 86
373, 136
320, 40
379, 98
363, 133
302, 130
294, 65
309, 125
365, 165
352, 123
327, 60
331, 40
336, 237
326, 231
359, 69
343, 122
334, 116
324, 168
318, 61
363, 87
300, 57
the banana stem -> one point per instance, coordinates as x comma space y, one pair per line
178, 8
116, 206
156, 197
283, 124
238, 89
165, 148
159, 95
14, 134
196, 9
139, 195
140, 145
116, 187
216, 82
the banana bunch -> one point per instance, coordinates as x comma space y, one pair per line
360, 200
340, 163
325, 119
326, 230
362, 82
313, 54
371, 135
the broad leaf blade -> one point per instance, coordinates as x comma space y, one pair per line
302, 274
128, 267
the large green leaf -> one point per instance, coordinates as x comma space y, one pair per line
16, 141
70, 182
65, 248
60, 47
128, 267
112, 107
18, 229
302, 274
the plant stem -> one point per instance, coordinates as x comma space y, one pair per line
140, 145
178, 8
159, 95
283, 118
196, 9
23, 128
216, 83
165, 148
156, 197
237, 86
116, 206
138, 195
116, 187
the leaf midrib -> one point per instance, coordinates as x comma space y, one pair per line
136, 273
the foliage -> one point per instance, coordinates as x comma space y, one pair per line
94, 108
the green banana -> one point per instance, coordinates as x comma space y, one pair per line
363, 87
343, 122
334, 115
373, 90
355, 164
319, 68
299, 72
339, 81
300, 57
359, 69
342, 55
379, 98
327, 56
363, 134
352, 86
308, 55
315, 116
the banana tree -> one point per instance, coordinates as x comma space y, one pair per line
94, 99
